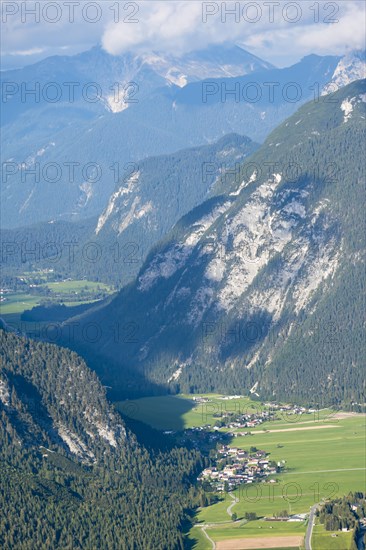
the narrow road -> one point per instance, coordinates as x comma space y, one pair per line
309, 530
208, 538
204, 526
229, 508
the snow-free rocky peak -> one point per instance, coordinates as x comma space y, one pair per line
350, 68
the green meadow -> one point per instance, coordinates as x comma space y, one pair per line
324, 458
197, 540
255, 529
178, 412
18, 302
242, 530
165, 412
320, 464
72, 293
330, 540
77, 286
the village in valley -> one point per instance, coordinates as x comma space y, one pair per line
231, 466
235, 466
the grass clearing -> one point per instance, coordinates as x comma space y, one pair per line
76, 286
260, 543
257, 529
330, 540
197, 540
18, 302
70, 292
310, 458
177, 412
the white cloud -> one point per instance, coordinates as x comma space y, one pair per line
31, 51
161, 26
173, 26
177, 26
349, 32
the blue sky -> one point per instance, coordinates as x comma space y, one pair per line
279, 31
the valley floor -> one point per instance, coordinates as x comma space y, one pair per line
324, 458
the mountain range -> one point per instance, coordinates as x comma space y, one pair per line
172, 103
225, 200
254, 287
150, 197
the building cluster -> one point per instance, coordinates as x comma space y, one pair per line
289, 409
233, 420
236, 466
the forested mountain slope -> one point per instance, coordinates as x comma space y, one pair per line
71, 474
150, 196
261, 287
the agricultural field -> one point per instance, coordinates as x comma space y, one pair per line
179, 412
18, 302
329, 540
66, 287
324, 453
69, 292
253, 535
321, 464
257, 529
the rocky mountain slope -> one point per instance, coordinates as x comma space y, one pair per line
155, 194
71, 473
259, 287
64, 406
351, 67
112, 74
150, 197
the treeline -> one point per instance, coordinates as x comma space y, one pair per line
344, 513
